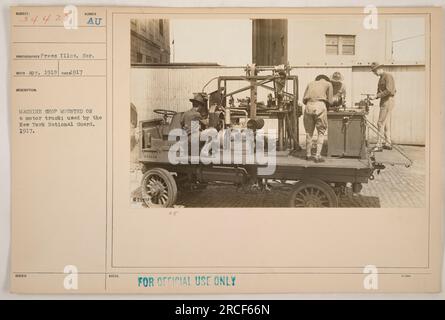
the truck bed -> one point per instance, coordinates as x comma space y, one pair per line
298, 160
295, 167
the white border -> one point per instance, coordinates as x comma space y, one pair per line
5, 139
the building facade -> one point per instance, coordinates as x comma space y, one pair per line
326, 44
316, 45
150, 41
337, 41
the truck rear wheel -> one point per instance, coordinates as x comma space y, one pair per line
158, 188
313, 193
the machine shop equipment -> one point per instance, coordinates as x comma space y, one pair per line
282, 102
347, 129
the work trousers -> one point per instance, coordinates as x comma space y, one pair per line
384, 122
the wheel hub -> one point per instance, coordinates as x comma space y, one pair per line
312, 201
156, 188
311, 197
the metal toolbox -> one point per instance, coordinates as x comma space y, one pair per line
347, 134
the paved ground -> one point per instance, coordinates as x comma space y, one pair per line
396, 186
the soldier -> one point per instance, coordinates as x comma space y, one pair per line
195, 116
193, 119
318, 93
385, 92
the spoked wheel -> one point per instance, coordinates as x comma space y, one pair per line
313, 193
158, 188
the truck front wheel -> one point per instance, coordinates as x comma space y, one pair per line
159, 188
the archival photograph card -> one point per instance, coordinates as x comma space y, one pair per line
241, 150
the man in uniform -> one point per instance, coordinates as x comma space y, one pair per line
318, 93
385, 92
195, 116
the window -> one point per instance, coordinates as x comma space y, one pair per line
340, 44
